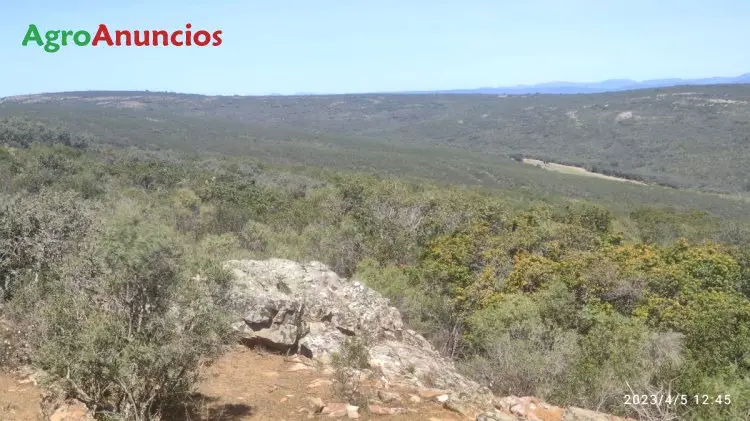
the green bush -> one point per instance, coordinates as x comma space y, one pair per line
516, 352
347, 364
22, 132
99, 252
35, 234
255, 236
126, 327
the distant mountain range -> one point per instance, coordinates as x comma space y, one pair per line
612, 85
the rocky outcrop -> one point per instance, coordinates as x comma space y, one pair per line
308, 309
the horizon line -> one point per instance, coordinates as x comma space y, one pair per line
544, 85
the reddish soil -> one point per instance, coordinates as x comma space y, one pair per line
255, 386
20, 399
244, 384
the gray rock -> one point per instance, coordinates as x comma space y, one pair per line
276, 295
321, 342
309, 309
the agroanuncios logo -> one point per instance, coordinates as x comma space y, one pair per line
54, 40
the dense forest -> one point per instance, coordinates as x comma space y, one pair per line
571, 289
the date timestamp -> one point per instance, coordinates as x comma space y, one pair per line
677, 399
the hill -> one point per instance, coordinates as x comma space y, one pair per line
570, 288
686, 137
612, 85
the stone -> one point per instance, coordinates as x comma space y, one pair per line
319, 383
308, 309
504, 403
336, 409
455, 407
430, 393
352, 411
299, 367
518, 409
72, 411
388, 397
316, 404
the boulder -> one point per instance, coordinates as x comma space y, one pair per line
307, 308
287, 305
414, 358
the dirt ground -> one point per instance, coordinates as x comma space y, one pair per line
244, 384
20, 399
249, 385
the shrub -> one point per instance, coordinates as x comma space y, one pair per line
615, 352
35, 233
126, 328
516, 352
22, 132
255, 236
348, 363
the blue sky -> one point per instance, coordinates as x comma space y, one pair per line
364, 46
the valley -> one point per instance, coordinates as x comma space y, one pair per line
513, 257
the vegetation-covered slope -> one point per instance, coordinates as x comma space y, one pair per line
686, 136
532, 293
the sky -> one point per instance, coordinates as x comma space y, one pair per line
330, 46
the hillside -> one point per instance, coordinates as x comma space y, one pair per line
611, 85
690, 137
286, 367
118, 281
